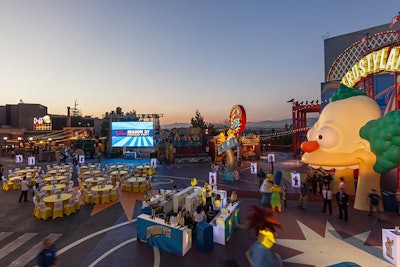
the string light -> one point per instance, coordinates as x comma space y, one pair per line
285, 133
301, 107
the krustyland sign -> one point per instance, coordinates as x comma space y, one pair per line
386, 59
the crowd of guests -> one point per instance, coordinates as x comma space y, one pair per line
317, 184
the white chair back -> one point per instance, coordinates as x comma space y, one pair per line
58, 205
42, 195
42, 206
71, 202
57, 191
78, 195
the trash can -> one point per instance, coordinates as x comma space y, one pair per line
389, 201
204, 237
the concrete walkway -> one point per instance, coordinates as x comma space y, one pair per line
108, 237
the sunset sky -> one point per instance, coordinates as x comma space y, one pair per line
172, 57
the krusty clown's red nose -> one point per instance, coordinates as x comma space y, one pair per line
309, 146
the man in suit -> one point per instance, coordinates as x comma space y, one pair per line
342, 200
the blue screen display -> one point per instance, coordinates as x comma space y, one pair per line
132, 134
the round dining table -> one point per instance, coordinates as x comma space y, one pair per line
137, 179
54, 172
92, 172
14, 178
57, 197
94, 180
101, 187
121, 172
52, 187
25, 171
55, 178
118, 166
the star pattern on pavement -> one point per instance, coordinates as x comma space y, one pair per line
332, 248
126, 199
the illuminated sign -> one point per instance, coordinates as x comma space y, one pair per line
386, 59
237, 119
42, 124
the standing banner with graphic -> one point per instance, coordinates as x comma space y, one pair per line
81, 159
212, 178
31, 161
153, 163
253, 167
19, 158
296, 180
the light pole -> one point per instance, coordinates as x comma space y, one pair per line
49, 142
5, 141
20, 142
30, 142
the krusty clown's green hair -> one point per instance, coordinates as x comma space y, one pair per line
344, 92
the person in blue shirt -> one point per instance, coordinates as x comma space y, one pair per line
303, 197
263, 223
47, 257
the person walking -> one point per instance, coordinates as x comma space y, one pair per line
284, 195
199, 215
342, 200
327, 195
261, 176
303, 196
208, 192
374, 199
314, 183
265, 190
47, 257
342, 184
24, 189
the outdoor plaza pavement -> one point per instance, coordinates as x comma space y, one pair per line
105, 234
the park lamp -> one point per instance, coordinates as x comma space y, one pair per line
20, 143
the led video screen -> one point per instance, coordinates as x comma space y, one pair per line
132, 134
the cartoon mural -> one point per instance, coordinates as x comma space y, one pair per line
350, 134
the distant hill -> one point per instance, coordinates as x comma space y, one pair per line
260, 124
176, 125
277, 124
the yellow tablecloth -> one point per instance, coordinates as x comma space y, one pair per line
25, 171
100, 188
94, 181
55, 198
15, 177
54, 172
116, 166
57, 178
52, 187
91, 172
120, 172
137, 179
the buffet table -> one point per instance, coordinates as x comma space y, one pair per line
225, 222
168, 237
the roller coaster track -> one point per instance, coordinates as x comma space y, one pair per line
352, 54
